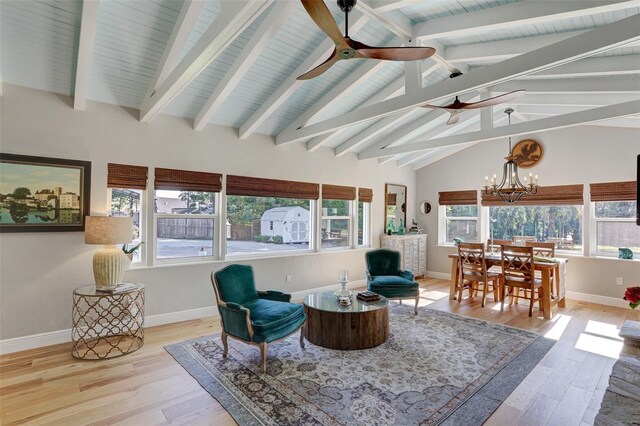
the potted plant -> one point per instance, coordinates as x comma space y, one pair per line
130, 251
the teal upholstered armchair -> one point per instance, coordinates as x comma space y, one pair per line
255, 317
385, 277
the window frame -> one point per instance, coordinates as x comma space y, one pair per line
350, 231
143, 223
442, 223
366, 224
216, 217
593, 222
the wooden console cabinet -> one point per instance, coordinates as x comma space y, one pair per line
412, 248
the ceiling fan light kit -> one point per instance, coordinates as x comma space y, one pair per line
346, 47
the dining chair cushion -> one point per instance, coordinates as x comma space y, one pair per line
523, 280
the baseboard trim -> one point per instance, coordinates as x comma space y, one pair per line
34, 341
596, 298
438, 275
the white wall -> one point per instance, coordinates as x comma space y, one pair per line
586, 154
38, 271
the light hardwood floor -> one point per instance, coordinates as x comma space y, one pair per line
48, 386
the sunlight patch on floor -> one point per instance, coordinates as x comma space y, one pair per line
433, 295
561, 323
599, 345
603, 329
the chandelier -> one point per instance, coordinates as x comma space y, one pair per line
510, 189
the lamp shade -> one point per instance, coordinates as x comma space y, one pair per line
108, 230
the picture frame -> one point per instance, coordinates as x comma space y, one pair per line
42, 194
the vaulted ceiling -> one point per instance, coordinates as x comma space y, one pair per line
235, 63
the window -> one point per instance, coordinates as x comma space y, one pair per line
616, 227
336, 223
185, 223
185, 213
458, 216
461, 222
614, 217
559, 224
337, 216
365, 197
262, 225
127, 185
269, 216
128, 202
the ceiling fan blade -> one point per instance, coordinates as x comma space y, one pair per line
454, 117
320, 68
451, 107
321, 15
395, 53
496, 100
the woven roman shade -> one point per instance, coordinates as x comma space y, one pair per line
365, 195
186, 180
126, 176
258, 187
336, 192
457, 198
546, 196
613, 191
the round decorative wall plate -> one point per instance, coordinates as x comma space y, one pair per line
527, 153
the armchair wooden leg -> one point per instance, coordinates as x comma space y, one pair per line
223, 336
263, 356
416, 308
302, 337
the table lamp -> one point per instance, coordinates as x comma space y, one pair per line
109, 261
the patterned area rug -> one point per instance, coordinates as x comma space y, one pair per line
435, 368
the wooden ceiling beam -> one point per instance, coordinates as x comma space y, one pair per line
234, 18
88, 25
268, 28
543, 125
182, 28
514, 15
589, 43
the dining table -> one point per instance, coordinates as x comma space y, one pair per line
548, 299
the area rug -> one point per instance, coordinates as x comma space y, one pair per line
435, 368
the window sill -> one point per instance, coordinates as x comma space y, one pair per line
231, 259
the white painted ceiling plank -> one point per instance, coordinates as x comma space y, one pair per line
590, 43
443, 153
286, 89
593, 67
579, 85
392, 90
276, 17
387, 5
572, 99
187, 18
397, 24
88, 25
557, 122
514, 15
234, 18
502, 49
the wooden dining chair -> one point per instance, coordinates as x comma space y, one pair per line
544, 250
473, 273
518, 272
494, 246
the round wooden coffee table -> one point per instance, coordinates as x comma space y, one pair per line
361, 325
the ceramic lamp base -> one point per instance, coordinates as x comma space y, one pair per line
108, 266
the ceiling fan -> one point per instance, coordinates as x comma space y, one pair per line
347, 48
457, 107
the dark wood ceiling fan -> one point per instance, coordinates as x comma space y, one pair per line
458, 107
347, 48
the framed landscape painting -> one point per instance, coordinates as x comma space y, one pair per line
43, 194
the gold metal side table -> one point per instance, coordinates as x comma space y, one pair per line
107, 325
